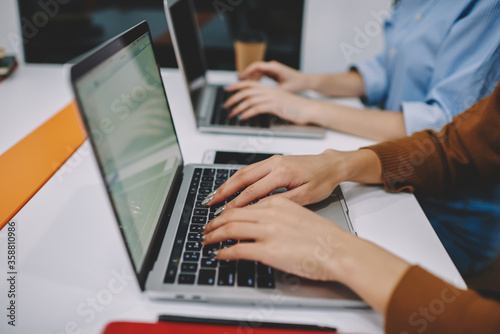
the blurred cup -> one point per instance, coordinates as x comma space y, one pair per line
249, 47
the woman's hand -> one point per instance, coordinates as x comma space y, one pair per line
309, 179
295, 240
286, 236
252, 98
288, 78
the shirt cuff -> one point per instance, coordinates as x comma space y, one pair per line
374, 79
420, 116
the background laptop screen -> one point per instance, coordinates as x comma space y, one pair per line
131, 128
188, 40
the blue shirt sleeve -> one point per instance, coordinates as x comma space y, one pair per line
466, 69
375, 79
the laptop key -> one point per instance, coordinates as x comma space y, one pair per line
200, 212
264, 271
214, 208
195, 237
246, 273
195, 228
205, 191
191, 257
209, 249
221, 177
229, 243
186, 279
189, 267
208, 263
206, 277
266, 282
201, 198
264, 124
193, 246
199, 219
209, 172
206, 185
196, 177
227, 264
226, 276
265, 277
193, 189
253, 122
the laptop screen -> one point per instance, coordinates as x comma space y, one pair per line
129, 121
189, 45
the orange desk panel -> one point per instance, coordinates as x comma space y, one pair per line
29, 164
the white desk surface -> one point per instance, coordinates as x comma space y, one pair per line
71, 253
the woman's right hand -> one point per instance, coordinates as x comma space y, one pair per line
309, 179
288, 78
286, 236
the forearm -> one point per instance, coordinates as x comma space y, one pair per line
372, 124
349, 84
370, 271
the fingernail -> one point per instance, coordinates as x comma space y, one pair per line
214, 253
203, 228
220, 210
238, 117
203, 237
209, 198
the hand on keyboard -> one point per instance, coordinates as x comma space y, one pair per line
253, 98
286, 236
309, 179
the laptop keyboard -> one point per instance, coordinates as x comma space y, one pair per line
191, 263
220, 115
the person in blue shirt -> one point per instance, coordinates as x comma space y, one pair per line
440, 57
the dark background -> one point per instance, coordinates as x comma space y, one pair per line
57, 33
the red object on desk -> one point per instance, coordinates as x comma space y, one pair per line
183, 328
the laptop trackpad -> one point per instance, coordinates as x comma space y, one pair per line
331, 208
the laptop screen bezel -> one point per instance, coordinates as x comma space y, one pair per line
200, 82
98, 56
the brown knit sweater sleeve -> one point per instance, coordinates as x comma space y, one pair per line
422, 303
466, 153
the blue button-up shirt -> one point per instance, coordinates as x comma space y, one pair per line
441, 56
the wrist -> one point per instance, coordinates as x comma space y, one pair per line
318, 112
311, 81
350, 166
359, 166
344, 261
358, 266
364, 166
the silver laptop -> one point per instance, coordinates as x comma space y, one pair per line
207, 99
157, 200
